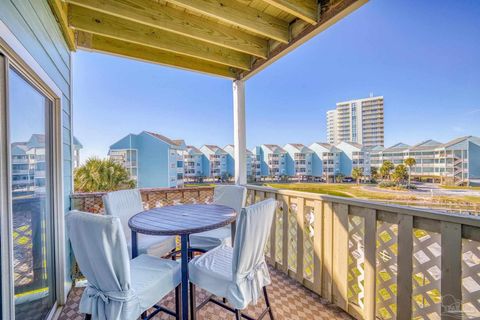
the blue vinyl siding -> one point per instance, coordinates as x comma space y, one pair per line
33, 24
474, 160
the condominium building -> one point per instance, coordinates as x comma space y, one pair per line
193, 164
215, 162
250, 163
273, 160
152, 159
28, 164
299, 160
353, 155
325, 160
360, 121
455, 162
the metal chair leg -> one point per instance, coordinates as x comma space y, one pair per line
267, 301
177, 303
238, 314
193, 302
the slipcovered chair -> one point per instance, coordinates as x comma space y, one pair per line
238, 274
230, 196
125, 204
118, 288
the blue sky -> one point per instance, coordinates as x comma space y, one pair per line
422, 56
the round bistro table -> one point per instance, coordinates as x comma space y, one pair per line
181, 220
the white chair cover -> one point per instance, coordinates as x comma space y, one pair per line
238, 274
125, 204
232, 196
117, 288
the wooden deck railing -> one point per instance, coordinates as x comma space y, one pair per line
154, 197
375, 260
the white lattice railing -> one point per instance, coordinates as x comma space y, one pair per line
375, 260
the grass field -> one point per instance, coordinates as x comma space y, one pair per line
342, 190
398, 197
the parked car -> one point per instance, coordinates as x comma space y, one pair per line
347, 179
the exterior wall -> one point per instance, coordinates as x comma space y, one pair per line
299, 161
269, 161
34, 25
325, 161
353, 157
215, 163
474, 161
193, 165
158, 163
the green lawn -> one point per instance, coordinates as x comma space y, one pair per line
355, 191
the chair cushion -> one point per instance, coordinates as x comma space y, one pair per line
212, 271
152, 278
212, 238
157, 246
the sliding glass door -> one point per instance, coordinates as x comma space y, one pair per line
28, 143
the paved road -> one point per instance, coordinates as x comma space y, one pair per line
428, 189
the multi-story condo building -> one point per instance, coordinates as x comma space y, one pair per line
360, 121
193, 164
394, 154
153, 160
273, 160
250, 163
28, 164
325, 160
299, 161
353, 155
215, 162
454, 162
256, 165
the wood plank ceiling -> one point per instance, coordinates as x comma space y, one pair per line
228, 38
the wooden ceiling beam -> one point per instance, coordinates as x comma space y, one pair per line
59, 10
95, 22
98, 43
331, 12
307, 10
240, 15
167, 18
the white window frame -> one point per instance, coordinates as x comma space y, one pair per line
17, 56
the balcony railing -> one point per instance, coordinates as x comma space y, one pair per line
370, 259
375, 260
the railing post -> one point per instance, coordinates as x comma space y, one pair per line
273, 231
340, 255
451, 264
317, 246
239, 133
370, 246
286, 206
300, 233
327, 270
405, 267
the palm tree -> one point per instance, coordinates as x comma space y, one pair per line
98, 175
410, 162
374, 172
400, 173
357, 174
386, 169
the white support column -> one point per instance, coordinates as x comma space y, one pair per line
239, 133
